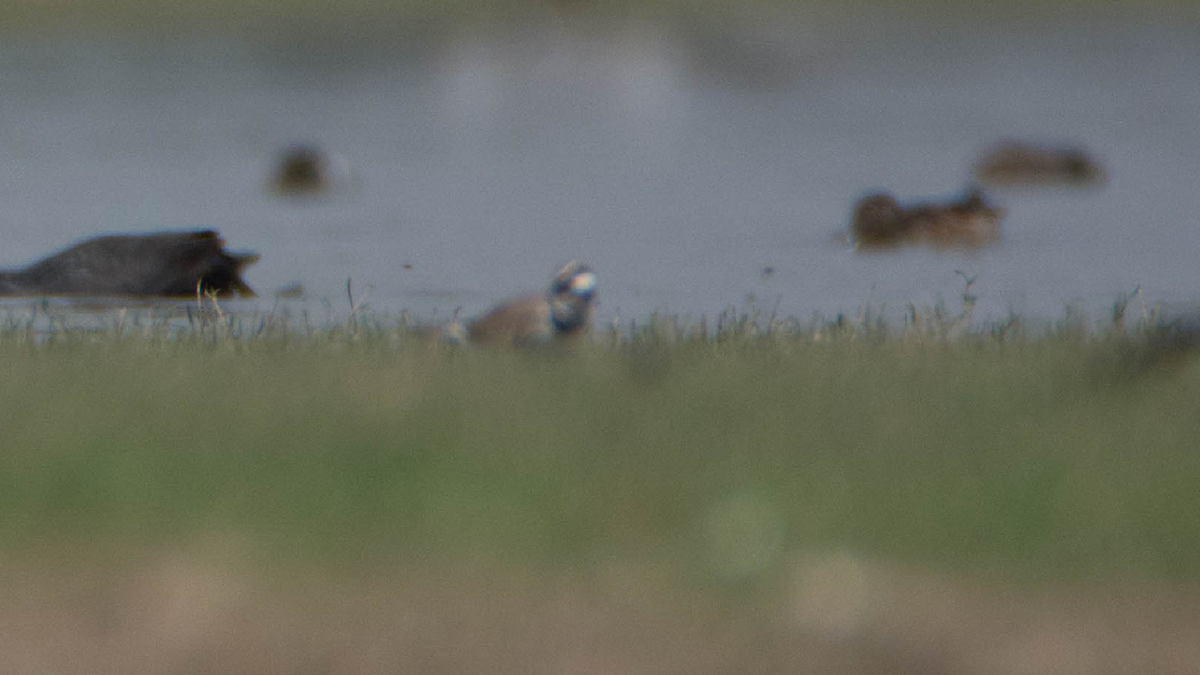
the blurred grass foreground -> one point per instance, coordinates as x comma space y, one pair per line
232, 496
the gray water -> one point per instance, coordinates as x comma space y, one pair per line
678, 161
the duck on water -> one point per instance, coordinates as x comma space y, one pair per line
1025, 164
160, 264
880, 222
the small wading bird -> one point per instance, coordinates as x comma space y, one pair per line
165, 264
880, 222
563, 311
1016, 163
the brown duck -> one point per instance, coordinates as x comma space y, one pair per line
1016, 163
163, 264
880, 222
305, 169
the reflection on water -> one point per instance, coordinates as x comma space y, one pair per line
679, 163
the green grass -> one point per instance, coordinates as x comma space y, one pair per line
713, 461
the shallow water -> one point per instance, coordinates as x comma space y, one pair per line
679, 162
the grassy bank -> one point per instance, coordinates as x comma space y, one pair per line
715, 461
221, 494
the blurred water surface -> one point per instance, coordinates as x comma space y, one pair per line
681, 162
